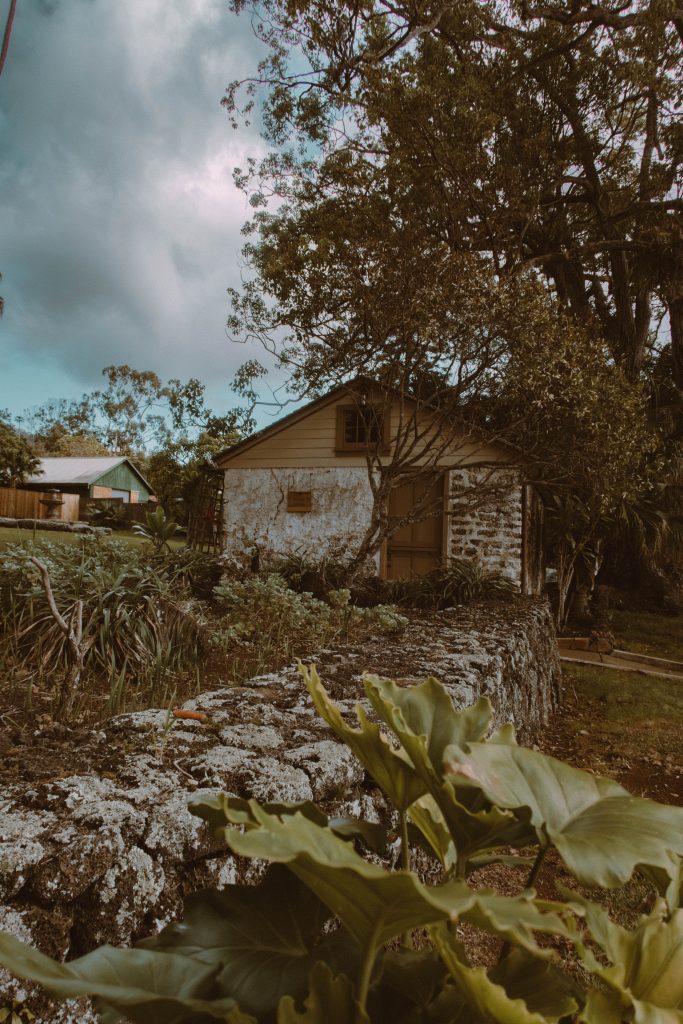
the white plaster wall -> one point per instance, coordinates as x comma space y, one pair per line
486, 519
256, 515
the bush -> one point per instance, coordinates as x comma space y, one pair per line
461, 581
263, 610
327, 934
138, 620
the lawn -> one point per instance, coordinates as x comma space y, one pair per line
626, 724
649, 633
13, 535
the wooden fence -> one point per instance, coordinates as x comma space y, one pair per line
26, 504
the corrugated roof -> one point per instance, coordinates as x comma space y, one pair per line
76, 470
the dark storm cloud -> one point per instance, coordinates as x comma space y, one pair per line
119, 221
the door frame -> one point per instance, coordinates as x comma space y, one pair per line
445, 545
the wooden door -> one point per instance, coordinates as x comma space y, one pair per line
418, 547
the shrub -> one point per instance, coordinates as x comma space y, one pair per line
264, 610
327, 934
461, 581
137, 615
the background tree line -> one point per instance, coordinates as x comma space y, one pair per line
167, 428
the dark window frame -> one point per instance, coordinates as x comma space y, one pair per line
344, 446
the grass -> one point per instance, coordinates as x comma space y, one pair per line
14, 535
649, 633
626, 725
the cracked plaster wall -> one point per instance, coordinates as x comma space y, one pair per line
256, 513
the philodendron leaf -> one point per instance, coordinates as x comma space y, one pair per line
148, 987
261, 937
213, 810
426, 723
330, 1000
601, 831
521, 990
646, 968
373, 904
388, 766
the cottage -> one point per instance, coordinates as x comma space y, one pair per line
108, 476
302, 484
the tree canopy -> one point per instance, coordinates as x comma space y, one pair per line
537, 135
17, 458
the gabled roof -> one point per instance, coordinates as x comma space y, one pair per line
77, 470
360, 383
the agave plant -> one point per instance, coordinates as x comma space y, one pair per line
326, 937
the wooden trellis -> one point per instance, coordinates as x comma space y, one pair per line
205, 527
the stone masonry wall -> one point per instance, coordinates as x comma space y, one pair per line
107, 853
256, 513
486, 519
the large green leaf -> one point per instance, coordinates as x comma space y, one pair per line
262, 937
148, 987
213, 810
409, 981
602, 832
646, 964
373, 904
388, 766
523, 991
426, 723
330, 1000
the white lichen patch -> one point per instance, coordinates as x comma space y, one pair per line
246, 773
127, 892
22, 845
252, 737
172, 832
331, 767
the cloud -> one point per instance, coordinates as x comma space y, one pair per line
121, 224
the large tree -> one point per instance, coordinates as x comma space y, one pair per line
535, 134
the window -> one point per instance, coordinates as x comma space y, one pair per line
298, 501
360, 428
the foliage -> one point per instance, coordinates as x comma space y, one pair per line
307, 574
263, 610
138, 620
17, 458
326, 935
107, 514
499, 130
158, 529
167, 427
460, 581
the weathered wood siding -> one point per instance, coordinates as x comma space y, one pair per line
311, 441
20, 504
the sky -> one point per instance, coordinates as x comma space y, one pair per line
119, 221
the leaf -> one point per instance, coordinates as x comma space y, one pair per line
389, 767
427, 817
262, 937
213, 810
409, 978
330, 1001
426, 723
601, 831
147, 986
646, 969
375, 905
491, 999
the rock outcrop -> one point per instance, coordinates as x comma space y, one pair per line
107, 855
